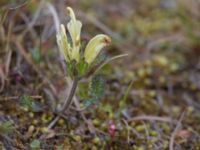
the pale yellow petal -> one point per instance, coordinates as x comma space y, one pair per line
94, 47
71, 13
75, 30
62, 42
74, 27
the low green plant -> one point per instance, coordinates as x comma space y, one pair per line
35, 144
6, 127
82, 63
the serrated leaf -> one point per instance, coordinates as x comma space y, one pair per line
97, 86
100, 59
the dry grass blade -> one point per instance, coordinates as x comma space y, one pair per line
104, 29
18, 6
22, 51
17, 97
107, 61
2, 79
151, 118
172, 138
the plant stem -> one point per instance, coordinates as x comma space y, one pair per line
71, 95
66, 104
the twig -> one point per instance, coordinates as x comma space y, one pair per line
179, 37
88, 122
128, 130
54, 15
32, 22
17, 97
20, 5
52, 123
146, 130
171, 143
151, 118
8, 62
2, 79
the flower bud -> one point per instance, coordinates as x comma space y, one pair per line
94, 47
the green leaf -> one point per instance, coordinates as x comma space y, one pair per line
35, 145
109, 60
100, 59
36, 56
96, 90
82, 67
70, 69
60, 147
89, 102
97, 86
82, 91
26, 101
6, 127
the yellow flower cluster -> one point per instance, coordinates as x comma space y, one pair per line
71, 50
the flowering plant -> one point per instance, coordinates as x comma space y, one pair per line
79, 62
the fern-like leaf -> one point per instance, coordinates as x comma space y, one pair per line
97, 86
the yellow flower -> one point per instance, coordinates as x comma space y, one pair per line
74, 28
94, 47
63, 43
71, 50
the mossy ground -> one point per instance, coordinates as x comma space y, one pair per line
162, 40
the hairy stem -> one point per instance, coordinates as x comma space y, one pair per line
66, 104
71, 95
